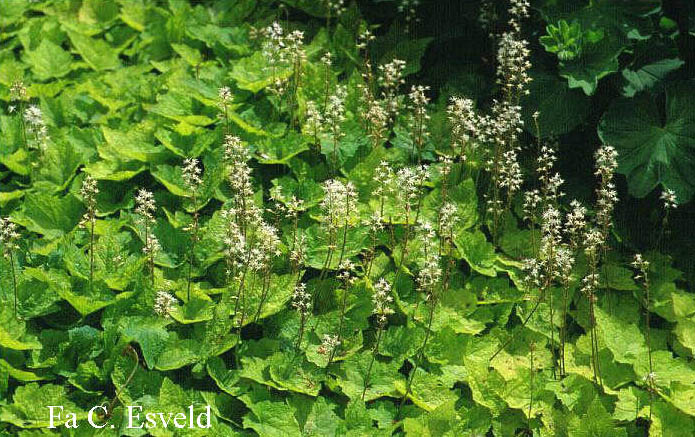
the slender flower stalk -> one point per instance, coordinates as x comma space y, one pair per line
192, 179
348, 278
145, 208
375, 223
670, 201
575, 229
334, 117
382, 301
89, 192
225, 99
8, 238
334, 8
329, 344
465, 125
606, 198
275, 53
338, 209
301, 302
313, 123
410, 182
532, 373
390, 79
409, 9
419, 101
237, 157
296, 57
18, 98
513, 76
36, 125
164, 304
267, 248
327, 62
384, 179
428, 281
642, 267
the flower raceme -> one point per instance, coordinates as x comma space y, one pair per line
8, 236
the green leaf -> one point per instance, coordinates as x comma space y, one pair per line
48, 215
595, 423
13, 12
654, 147
18, 374
13, 332
96, 52
271, 419
624, 340
668, 421
648, 75
477, 251
150, 334
560, 109
353, 372
9, 196
188, 54
441, 422
29, 406
598, 60
49, 60
395, 45
427, 391
135, 143
273, 150
252, 73
82, 297
180, 108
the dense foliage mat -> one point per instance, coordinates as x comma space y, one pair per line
348, 218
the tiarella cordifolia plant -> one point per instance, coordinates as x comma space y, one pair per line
464, 124
354, 253
297, 58
390, 80
418, 101
191, 173
347, 276
338, 214
36, 125
410, 182
334, 118
641, 265
428, 281
313, 122
670, 201
261, 261
335, 8
164, 304
384, 181
329, 344
89, 193
145, 208
18, 99
382, 301
236, 156
301, 302
225, 99
327, 63
375, 119
8, 238
409, 9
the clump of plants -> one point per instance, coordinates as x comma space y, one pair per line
268, 209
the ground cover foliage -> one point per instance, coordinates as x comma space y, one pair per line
349, 218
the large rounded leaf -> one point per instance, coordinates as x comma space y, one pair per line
560, 109
656, 145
